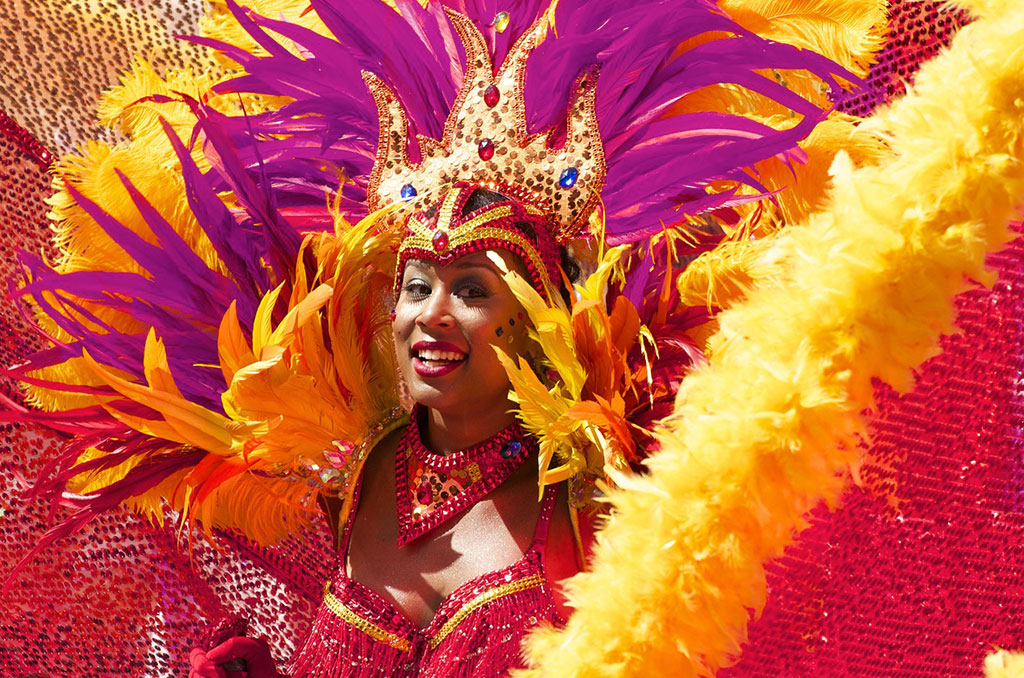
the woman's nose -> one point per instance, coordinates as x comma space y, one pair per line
437, 309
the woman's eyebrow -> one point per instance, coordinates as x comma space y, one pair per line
487, 266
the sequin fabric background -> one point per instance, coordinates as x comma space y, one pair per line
918, 574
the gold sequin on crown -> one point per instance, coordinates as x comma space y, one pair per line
485, 141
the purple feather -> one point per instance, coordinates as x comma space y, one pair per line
205, 287
641, 77
280, 241
237, 246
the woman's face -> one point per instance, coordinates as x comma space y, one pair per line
447, 321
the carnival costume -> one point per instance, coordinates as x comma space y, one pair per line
220, 343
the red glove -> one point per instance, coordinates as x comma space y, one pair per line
254, 652
202, 667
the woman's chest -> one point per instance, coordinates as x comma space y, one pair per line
417, 577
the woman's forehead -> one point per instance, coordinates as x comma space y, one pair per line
473, 260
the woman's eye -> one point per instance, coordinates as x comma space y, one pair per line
416, 289
472, 292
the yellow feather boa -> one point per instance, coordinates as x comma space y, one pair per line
769, 428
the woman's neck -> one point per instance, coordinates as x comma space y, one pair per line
445, 432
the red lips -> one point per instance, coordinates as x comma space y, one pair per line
436, 367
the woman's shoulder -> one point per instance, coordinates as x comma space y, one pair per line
380, 461
374, 469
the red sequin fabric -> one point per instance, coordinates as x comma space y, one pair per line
476, 631
918, 575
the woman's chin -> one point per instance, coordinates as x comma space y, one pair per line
457, 398
431, 395
456, 388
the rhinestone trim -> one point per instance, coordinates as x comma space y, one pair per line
463, 241
459, 479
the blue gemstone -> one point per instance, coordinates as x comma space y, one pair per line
568, 178
408, 191
510, 449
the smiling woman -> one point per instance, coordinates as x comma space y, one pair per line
448, 558
416, 563
453, 311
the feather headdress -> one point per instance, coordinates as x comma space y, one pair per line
213, 364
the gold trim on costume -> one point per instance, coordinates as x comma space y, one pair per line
369, 628
487, 596
404, 644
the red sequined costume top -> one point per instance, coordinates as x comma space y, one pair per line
477, 630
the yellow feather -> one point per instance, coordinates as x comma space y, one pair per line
155, 367
983, 8
154, 428
1003, 664
551, 329
722, 276
539, 407
85, 483
578, 432
261, 327
299, 314
803, 187
849, 32
233, 350
184, 422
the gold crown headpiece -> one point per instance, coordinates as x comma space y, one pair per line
485, 141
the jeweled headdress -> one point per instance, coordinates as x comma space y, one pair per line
485, 140
552, 188
485, 143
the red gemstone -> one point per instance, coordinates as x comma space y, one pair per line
486, 149
440, 239
424, 494
491, 96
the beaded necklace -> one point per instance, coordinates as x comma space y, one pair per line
432, 488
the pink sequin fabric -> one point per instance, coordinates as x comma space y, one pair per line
476, 631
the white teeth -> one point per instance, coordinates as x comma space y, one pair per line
439, 355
